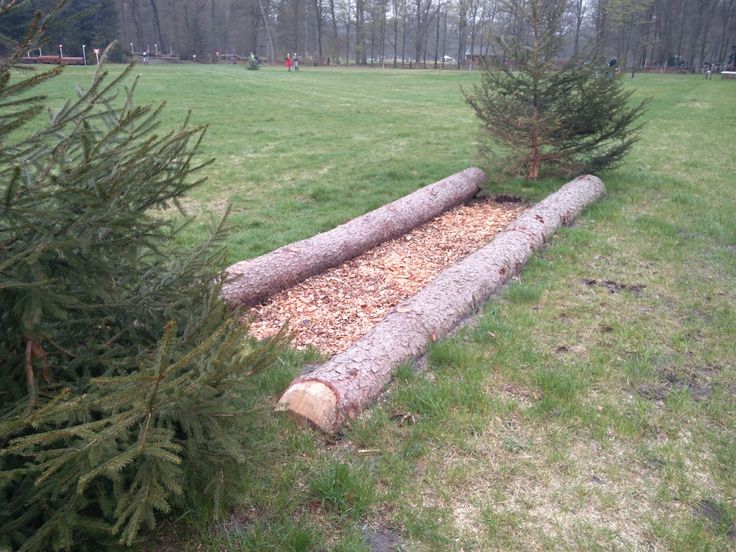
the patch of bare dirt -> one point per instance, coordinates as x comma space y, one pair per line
717, 515
334, 309
381, 539
615, 287
697, 382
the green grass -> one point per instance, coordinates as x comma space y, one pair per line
570, 416
297, 154
342, 488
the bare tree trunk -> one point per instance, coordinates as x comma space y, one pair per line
601, 22
473, 25
728, 14
694, 37
423, 23
335, 50
157, 24
269, 37
318, 9
360, 57
481, 25
396, 29
383, 33
667, 31
135, 14
403, 35
251, 281
579, 7
681, 32
649, 49
706, 31
124, 28
293, 45
444, 38
437, 36
373, 34
424, 52
418, 33
306, 30
213, 39
462, 23
345, 385
347, 39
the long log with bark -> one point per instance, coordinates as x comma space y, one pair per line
342, 387
249, 282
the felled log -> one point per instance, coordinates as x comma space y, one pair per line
249, 282
342, 387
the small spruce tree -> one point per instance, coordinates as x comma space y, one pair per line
123, 377
537, 117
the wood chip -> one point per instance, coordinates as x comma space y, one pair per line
334, 309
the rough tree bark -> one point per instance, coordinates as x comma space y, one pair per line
251, 281
343, 386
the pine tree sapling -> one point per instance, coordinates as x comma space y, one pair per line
539, 117
123, 377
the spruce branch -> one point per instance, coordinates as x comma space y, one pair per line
133, 421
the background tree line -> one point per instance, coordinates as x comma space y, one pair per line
94, 23
639, 33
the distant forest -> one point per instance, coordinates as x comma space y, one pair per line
425, 33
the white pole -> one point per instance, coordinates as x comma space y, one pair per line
155, 47
61, 50
84, 53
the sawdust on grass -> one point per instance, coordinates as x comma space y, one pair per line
333, 310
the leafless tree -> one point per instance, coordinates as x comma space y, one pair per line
637, 32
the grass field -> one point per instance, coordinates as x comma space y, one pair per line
591, 407
297, 153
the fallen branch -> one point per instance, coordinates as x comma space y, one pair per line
342, 387
249, 282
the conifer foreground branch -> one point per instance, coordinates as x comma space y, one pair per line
124, 379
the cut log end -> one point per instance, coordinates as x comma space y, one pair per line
312, 402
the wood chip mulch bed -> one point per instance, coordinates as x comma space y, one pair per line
334, 309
